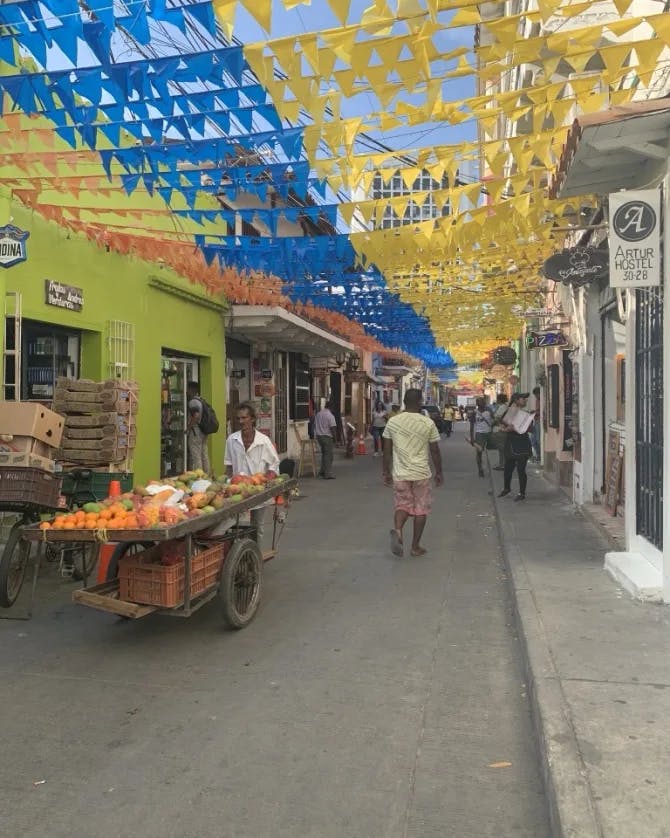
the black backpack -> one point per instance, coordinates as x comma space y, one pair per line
209, 424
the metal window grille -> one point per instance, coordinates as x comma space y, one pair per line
281, 418
121, 349
649, 414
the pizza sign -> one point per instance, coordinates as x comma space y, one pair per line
12, 245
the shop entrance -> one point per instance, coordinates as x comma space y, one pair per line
47, 352
176, 372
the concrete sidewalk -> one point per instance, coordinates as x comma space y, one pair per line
598, 670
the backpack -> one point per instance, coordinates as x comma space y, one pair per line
209, 424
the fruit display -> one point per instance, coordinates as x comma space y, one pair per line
164, 503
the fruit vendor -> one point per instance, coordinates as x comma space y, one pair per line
250, 452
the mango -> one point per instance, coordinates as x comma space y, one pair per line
95, 507
208, 509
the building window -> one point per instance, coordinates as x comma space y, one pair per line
620, 388
299, 388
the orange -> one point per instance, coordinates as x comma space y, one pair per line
105, 515
68, 526
45, 525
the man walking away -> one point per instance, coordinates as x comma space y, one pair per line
198, 456
517, 449
325, 430
501, 409
408, 439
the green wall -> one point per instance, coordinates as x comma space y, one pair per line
120, 288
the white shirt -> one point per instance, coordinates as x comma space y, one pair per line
411, 434
260, 456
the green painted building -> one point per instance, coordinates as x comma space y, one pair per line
135, 320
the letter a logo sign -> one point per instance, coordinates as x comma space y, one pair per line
634, 221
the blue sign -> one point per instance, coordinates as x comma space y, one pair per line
12, 246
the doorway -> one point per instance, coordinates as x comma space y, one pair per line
176, 372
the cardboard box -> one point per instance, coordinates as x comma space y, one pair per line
31, 419
26, 460
25, 445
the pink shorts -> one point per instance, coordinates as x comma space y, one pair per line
413, 496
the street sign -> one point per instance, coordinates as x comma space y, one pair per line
634, 238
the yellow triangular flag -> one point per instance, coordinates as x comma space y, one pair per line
308, 44
341, 42
261, 11
466, 16
622, 6
345, 79
340, 10
615, 57
225, 11
661, 26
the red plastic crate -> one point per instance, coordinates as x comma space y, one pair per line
144, 580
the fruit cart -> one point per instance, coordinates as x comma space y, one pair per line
201, 564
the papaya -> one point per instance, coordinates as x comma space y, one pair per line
94, 507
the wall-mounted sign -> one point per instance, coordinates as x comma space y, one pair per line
63, 296
504, 355
634, 237
577, 266
238, 374
266, 375
12, 246
543, 340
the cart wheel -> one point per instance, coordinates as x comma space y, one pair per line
240, 585
13, 565
123, 549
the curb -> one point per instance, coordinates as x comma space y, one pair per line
572, 809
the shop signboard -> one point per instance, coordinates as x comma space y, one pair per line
634, 238
12, 245
544, 340
63, 296
577, 266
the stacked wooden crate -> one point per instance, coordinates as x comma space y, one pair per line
100, 421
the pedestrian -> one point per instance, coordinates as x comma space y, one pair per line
517, 446
498, 436
409, 439
379, 419
480, 432
196, 438
249, 452
535, 432
325, 430
448, 416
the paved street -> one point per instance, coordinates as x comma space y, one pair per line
372, 696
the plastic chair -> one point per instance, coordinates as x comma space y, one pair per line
308, 448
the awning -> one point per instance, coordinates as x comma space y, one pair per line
273, 326
622, 148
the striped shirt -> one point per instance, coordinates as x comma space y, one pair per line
411, 434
